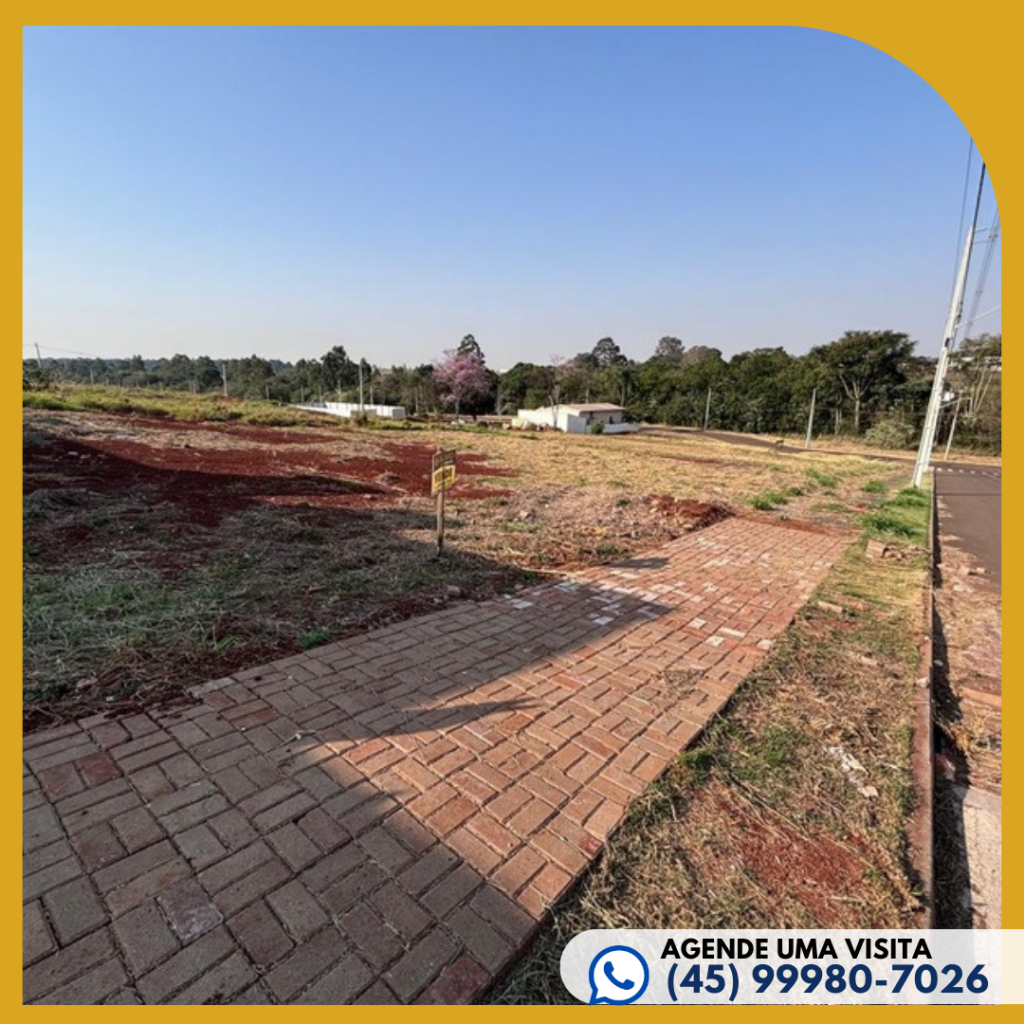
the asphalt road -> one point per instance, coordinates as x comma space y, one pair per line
972, 499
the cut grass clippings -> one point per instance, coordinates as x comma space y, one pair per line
759, 825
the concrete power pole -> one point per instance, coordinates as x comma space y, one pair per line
810, 419
707, 410
924, 452
360, 385
224, 377
39, 358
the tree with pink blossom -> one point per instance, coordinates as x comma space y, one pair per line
460, 377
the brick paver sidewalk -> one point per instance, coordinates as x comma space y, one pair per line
386, 819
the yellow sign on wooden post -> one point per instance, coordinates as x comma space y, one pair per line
443, 472
442, 480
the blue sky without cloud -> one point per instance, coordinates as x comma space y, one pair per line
277, 191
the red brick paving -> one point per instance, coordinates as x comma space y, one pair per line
387, 819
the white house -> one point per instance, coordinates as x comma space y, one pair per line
578, 419
349, 409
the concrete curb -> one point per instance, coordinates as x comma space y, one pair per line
922, 760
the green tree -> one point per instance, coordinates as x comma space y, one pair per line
869, 366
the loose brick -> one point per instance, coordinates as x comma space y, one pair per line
144, 937
189, 910
260, 934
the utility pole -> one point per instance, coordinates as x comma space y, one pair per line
952, 427
956, 306
39, 358
224, 376
707, 410
810, 419
924, 451
360, 385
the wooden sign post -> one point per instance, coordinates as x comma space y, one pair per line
442, 478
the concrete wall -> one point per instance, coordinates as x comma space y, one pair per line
348, 409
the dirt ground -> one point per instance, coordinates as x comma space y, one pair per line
159, 553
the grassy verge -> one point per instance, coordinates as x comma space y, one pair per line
175, 405
791, 810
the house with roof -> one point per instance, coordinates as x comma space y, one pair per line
578, 419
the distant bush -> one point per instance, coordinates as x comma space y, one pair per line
597, 427
890, 432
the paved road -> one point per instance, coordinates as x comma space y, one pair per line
971, 496
388, 818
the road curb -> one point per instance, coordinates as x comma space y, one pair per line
920, 835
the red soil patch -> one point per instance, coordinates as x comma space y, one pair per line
698, 514
812, 869
209, 483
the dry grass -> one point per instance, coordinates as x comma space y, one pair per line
759, 826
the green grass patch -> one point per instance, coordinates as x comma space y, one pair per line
826, 480
875, 487
768, 500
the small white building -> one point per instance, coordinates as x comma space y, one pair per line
349, 409
579, 419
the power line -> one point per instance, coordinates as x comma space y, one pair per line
979, 291
963, 210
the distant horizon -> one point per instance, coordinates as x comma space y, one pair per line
279, 191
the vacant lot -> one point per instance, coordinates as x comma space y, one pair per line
162, 552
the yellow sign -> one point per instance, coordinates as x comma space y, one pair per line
442, 479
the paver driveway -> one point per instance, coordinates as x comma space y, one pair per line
386, 819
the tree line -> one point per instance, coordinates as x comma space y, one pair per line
865, 384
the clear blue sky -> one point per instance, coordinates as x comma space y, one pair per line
277, 191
